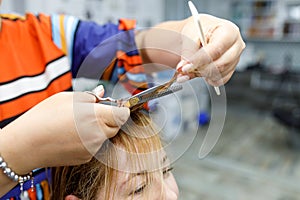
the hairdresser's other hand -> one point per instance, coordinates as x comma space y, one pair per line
65, 129
217, 60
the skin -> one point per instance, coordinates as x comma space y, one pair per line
62, 138
216, 62
136, 184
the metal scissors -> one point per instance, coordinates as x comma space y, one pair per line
137, 101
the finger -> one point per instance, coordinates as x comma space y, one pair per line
220, 81
182, 78
227, 77
223, 79
112, 116
198, 61
222, 66
213, 73
108, 131
214, 83
218, 44
228, 59
97, 92
217, 71
181, 63
221, 39
230, 68
90, 96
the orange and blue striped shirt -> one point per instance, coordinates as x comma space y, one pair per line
41, 54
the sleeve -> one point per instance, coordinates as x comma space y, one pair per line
109, 52
94, 49
63, 29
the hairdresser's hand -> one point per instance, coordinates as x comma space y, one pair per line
65, 129
217, 60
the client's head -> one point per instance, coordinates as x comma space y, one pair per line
132, 165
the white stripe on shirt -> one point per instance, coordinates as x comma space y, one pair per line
36, 83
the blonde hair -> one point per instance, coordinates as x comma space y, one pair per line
137, 136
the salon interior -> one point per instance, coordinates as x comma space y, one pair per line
243, 144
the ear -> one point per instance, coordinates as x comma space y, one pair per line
71, 197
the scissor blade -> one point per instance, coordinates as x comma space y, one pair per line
162, 93
150, 94
152, 90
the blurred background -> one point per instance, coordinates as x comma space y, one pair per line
257, 155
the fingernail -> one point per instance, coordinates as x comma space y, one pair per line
186, 68
182, 79
122, 114
98, 90
180, 64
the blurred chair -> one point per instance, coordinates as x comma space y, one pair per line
286, 106
290, 118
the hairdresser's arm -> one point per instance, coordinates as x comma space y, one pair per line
65, 129
170, 42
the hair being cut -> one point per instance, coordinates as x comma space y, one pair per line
137, 137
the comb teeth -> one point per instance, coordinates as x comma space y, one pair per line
170, 90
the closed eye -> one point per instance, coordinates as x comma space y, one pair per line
139, 190
166, 171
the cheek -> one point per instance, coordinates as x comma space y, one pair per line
170, 189
112, 195
172, 184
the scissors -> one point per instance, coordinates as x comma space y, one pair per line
137, 101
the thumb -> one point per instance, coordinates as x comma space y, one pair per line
121, 115
112, 116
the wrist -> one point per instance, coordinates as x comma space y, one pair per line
13, 155
12, 175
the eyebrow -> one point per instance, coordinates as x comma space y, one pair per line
141, 173
164, 159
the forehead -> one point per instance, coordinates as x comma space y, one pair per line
127, 175
123, 179
128, 163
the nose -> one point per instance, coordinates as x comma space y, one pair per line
171, 192
171, 195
